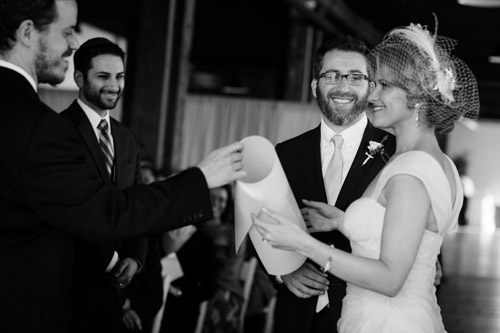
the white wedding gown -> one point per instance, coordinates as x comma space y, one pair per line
415, 308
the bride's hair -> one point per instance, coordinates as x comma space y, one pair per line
437, 82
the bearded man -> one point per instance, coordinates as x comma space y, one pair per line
102, 271
50, 194
309, 300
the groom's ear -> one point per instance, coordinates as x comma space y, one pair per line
314, 84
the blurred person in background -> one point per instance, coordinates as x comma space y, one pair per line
224, 307
144, 295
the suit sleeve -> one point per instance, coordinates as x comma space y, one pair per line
136, 248
66, 192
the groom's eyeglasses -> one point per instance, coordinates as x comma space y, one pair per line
354, 79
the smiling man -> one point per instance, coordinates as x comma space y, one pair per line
321, 167
50, 193
101, 271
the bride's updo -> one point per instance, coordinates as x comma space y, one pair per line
439, 84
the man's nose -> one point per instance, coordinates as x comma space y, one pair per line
343, 84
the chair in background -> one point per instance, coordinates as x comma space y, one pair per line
171, 270
269, 311
201, 317
246, 275
157, 321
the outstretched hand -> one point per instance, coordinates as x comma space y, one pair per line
321, 217
223, 165
278, 231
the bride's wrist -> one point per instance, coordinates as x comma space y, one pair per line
309, 246
340, 224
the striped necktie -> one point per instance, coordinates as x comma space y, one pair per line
105, 144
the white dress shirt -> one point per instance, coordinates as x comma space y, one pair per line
95, 119
352, 139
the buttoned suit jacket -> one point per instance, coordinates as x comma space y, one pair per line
96, 297
50, 193
301, 161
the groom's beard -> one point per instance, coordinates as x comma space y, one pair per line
338, 115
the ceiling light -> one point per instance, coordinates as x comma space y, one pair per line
494, 59
480, 3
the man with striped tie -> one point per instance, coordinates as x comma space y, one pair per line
101, 271
50, 193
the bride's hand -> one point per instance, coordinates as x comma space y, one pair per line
278, 231
321, 217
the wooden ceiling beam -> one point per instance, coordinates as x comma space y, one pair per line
338, 12
315, 17
358, 25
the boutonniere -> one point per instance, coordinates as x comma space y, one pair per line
375, 147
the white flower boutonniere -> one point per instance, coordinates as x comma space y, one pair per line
375, 147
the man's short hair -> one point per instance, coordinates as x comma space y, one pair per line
344, 43
14, 12
92, 48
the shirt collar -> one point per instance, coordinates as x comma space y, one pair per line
352, 136
93, 116
21, 71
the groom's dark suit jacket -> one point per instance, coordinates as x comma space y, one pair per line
301, 161
98, 304
50, 193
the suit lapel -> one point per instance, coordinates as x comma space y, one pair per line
316, 170
86, 131
360, 175
310, 158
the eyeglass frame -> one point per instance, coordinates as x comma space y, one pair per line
348, 77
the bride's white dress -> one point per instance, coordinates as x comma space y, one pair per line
415, 308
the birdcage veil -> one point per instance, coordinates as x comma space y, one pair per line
421, 63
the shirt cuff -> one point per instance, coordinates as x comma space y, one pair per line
112, 263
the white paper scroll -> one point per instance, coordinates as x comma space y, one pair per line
265, 186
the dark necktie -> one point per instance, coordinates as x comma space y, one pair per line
105, 144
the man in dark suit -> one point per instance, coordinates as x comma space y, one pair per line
101, 271
341, 87
50, 193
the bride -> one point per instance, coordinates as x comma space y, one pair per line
396, 229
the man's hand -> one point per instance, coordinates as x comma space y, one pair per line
321, 217
306, 281
123, 272
223, 165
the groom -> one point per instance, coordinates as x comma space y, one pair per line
341, 87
